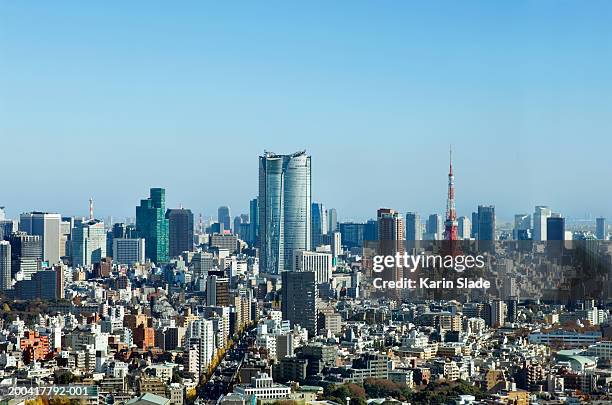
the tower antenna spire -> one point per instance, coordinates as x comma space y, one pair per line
91, 213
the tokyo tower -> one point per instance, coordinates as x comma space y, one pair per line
450, 225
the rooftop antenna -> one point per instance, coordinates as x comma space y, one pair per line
91, 214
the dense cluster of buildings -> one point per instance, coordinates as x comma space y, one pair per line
277, 304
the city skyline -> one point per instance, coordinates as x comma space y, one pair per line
516, 88
505, 217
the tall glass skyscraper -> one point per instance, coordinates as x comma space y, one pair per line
284, 209
600, 228
541, 214
254, 224
47, 226
5, 265
319, 223
486, 227
413, 226
88, 243
332, 220
152, 225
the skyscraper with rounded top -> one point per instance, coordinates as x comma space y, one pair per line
284, 209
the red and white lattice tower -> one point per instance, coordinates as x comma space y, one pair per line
450, 225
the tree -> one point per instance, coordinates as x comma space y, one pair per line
65, 378
341, 392
191, 394
379, 388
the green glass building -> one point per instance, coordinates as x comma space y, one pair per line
152, 225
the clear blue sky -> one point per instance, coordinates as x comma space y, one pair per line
109, 99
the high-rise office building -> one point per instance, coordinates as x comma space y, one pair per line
522, 222
540, 215
26, 254
47, 226
486, 222
353, 234
5, 265
152, 225
224, 241
284, 209
180, 234
7, 227
129, 250
486, 227
299, 299
391, 239
370, 230
201, 264
434, 227
474, 231
334, 240
318, 262
88, 243
65, 235
254, 224
120, 230
497, 313
555, 227
224, 217
600, 228
237, 225
413, 226
465, 227
318, 223
44, 285
332, 220
217, 290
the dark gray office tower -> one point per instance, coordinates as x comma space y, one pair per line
555, 227
242, 226
486, 227
299, 299
318, 224
224, 217
370, 230
180, 234
6, 228
119, 230
413, 226
555, 235
254, 224
26, 253
353, 234
474, 232
435, 228
5, 265
600, 231
512, 307
237, 226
